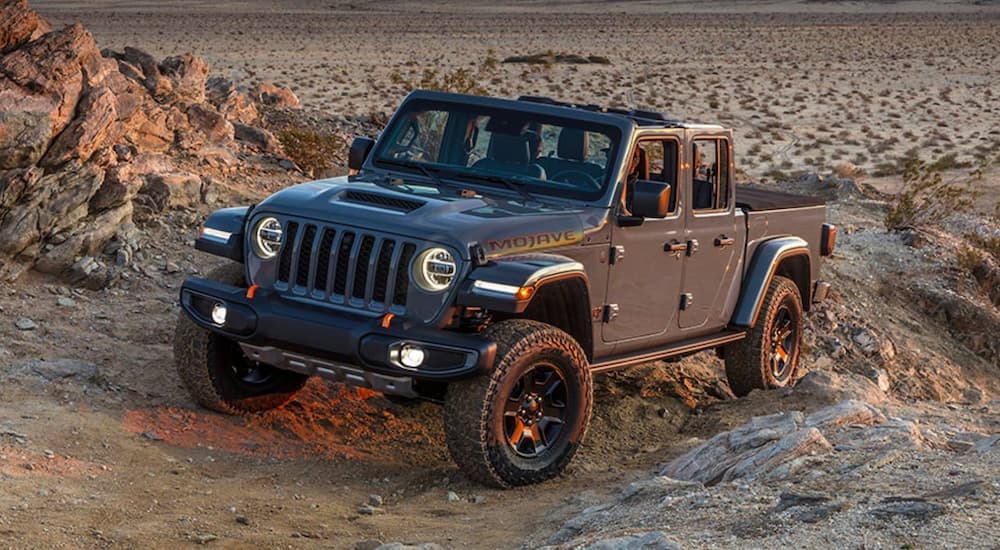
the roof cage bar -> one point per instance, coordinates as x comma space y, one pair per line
639, 115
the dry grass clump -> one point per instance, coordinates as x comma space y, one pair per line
927, 198
313, 152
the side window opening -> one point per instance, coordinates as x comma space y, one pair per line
658, 162
710, 174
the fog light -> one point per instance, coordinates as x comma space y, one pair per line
219, 314
411, 356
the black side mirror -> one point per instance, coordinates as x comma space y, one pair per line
360, 148
650, 199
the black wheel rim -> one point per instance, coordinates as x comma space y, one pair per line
535, 412
784, 340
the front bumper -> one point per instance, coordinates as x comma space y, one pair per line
278, 328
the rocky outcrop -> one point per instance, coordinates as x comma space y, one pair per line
91, 140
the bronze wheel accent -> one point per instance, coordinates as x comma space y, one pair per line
784, 339
535, 411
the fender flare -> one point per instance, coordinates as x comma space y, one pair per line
509, 284
222, 233
766, 260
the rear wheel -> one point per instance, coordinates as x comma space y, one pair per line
523, 422
768, 357
217, 373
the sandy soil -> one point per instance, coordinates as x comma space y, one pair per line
111, 452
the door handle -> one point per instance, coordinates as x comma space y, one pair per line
724, 241
675, 246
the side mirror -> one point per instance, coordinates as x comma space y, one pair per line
650, 199
360, 148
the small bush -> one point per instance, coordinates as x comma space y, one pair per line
311, 151
926, 198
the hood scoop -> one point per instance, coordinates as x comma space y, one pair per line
387, 202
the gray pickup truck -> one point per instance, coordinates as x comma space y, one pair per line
491, 255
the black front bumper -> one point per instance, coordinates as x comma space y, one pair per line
268, 320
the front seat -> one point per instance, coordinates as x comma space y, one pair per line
571, 156
511, 154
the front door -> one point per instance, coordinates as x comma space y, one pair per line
714, 238
645, 277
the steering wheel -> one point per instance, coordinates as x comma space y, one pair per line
410, 152
576, 176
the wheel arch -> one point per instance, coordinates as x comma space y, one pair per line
783, 256
548, 288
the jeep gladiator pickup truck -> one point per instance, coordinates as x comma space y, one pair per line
491, 255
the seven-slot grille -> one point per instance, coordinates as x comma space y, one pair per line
345, 266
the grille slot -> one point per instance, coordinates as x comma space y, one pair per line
384, 201
360, 269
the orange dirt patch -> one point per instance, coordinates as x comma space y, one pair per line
323, 422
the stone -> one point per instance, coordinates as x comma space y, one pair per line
188, 73
405, 546
452, 496
751, 450
19, 24
375, 500
275, 96
95, 126
209, 123
25, 324
913, 508
830, 387
59, 369
962, 490
257, 137
844, 413
654, 540
24, 137
65, 301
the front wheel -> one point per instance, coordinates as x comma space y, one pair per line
523, 422
769, 356
217, 373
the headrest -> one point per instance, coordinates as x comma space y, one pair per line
510, 149
573, 144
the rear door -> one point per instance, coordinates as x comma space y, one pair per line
644, 278
715, 235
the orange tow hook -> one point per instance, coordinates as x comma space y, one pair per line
252, 291
387, 319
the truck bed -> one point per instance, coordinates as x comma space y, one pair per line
756, 199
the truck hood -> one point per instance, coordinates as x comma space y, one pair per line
501, 225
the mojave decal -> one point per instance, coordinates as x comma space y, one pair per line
533, 241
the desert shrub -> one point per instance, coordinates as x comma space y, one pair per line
460, 80
927, 198
311, 151
848, 170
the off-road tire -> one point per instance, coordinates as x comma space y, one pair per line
748, 362
204, 360
474, 409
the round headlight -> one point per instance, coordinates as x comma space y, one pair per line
267, 238
434, 269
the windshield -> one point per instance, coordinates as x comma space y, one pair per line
526, 152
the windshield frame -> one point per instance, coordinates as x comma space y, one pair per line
482, 106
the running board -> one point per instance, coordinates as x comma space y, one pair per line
673, 350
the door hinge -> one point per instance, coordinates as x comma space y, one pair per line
686, 300
692, 247
617, 254
610, 312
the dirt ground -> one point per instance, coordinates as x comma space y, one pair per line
101, 447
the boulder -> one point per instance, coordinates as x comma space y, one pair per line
46, 75
24, 135
257, 137
236, 106
19, 24
96, 126
275, 96
188, 74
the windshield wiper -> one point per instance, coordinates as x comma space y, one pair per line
513, 183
